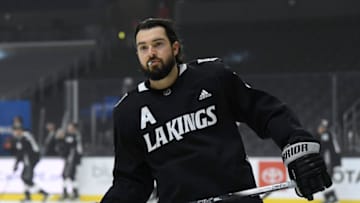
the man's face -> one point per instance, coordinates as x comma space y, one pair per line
71, 128
17, 132
155, 53
321, 129
50, 127
60, 134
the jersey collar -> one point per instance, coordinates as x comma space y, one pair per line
143, 87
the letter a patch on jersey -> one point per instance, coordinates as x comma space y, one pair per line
146, 117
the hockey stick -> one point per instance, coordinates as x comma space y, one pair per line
250, 192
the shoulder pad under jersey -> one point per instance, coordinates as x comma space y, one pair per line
121, 99
205, 60
124, 96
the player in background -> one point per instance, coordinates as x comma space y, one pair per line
26, 151
70, 148
178, 127
330, 156
50, 147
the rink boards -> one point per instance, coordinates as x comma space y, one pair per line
95, 177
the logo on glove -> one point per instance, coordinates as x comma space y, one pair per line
294, 151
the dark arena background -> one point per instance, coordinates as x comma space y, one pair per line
65, 61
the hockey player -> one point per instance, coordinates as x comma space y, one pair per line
26, 151
50, 141
330, 156
179, 128
71, 150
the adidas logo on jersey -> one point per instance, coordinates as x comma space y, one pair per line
204, 94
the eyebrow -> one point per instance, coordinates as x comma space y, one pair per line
154, 40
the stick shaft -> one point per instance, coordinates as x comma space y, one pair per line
251, 192
266, 189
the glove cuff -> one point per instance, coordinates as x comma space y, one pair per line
297, 150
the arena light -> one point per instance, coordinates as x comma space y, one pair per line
121, 35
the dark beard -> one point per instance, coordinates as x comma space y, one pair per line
159, 73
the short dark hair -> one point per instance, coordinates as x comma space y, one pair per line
169, 27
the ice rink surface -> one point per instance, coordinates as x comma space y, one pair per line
57, 201
52, 201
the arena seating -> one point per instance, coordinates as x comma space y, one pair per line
33, 65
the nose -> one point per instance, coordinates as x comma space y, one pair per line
152, 51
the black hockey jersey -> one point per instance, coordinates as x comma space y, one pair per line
186, 138
70, 147
26, 149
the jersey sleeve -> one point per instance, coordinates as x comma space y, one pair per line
264, 113
132, 181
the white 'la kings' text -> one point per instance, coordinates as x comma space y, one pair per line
175, 129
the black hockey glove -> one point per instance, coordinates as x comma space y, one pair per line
307, 168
